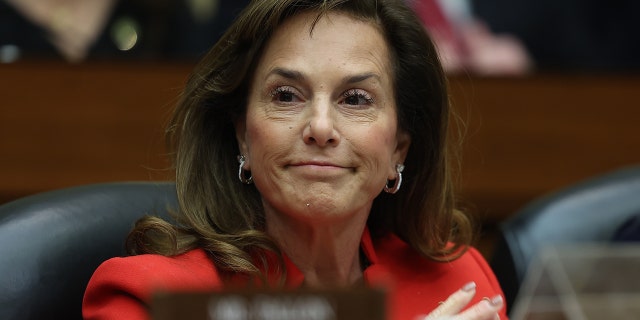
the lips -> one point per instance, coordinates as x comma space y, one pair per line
318, 168
316, 164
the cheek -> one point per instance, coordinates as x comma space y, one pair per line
382, 139
265, 141
377, 146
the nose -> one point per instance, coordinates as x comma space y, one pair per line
321, 128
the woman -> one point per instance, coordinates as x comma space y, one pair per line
292, 140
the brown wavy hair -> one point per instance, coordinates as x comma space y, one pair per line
225, 217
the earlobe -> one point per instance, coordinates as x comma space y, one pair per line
403, 141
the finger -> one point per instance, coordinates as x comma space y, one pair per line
455, 302
487, 309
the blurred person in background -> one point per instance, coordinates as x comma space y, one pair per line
77, 30
466, 44
570, 35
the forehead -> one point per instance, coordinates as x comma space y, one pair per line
311, 23
333, 33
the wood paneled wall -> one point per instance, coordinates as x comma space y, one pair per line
529, 136
64, 125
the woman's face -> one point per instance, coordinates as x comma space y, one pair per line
320, 133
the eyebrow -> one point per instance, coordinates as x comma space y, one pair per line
361, 77
297, 75
287, 73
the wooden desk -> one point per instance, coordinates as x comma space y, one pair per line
63, 125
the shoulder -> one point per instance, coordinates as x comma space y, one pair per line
392, 249
123, 287
156, 272
399, 257
422, 281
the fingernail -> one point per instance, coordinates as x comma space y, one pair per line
469, 286
497, 300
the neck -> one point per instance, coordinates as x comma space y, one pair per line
328, 254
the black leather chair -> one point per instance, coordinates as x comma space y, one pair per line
51, 243
589, 211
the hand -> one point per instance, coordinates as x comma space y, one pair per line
487, 309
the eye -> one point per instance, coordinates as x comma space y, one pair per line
357, 97
284, 94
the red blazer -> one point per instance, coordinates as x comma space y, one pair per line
121, 288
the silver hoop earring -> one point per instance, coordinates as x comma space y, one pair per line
241, 172
397, 182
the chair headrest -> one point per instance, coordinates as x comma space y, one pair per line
51, 243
